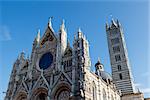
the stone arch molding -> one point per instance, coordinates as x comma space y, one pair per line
40, 93
61, 91
22, 95
39, 80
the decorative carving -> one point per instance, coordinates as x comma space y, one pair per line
48, 37
62, 77
63, 95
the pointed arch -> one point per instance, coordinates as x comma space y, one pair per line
94, 91
61, 90
22, 95
104, 95
112, 98
40, 94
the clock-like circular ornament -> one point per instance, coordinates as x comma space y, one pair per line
46, 60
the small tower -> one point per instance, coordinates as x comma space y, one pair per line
121, 70
99, 67
61, 44
36, 43
82, 45
81, 64
62, 37
38, 37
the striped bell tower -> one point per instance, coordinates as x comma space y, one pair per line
121, 70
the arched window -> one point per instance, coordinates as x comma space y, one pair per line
22, 96
119, 67
42, 96
112, 98
120, 76
104, 95
94, 91
63, 95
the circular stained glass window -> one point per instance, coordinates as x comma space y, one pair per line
46, 60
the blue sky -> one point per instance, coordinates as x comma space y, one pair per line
20, 21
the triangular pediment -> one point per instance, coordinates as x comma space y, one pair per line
68, 51
49, 35
22, 86
41, 82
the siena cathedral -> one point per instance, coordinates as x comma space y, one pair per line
56, 70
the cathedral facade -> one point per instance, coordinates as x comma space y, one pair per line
58, 71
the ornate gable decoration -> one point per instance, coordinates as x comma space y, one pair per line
68, 51
48, 36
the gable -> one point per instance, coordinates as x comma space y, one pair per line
68, 52
48, 36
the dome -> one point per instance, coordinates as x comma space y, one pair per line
106, 76
98, 63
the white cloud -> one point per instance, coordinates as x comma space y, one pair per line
4, 33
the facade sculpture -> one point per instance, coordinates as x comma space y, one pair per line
58, 71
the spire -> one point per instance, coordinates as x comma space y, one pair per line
113, 23
79, 33
38, 36
79, 30
50, 22
62, 27
99, 67
107, 26
63, 24
22, 55
99, 59
118, 23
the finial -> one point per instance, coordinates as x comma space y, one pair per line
111, 16
63, 24
22, 55
79, 33
112, 19
79, 30
98, 59
50, 22
113, 23
118, 23
38, 32
38, 36
107, 26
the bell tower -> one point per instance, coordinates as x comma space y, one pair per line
121, 70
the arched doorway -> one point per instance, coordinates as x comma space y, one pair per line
40, 94
21, 96
62, 94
